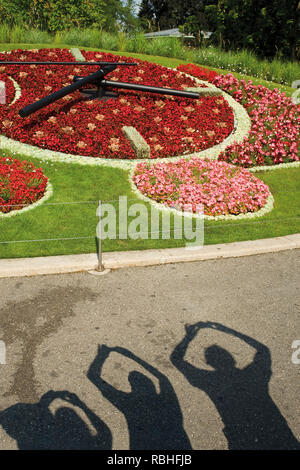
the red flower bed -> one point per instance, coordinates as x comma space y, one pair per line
218, 187
171, 126
199, 72
21, 183
274, 135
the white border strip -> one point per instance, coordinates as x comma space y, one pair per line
280, 166
76, 53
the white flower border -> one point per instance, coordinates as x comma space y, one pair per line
18, 91
164, 208
76, 53
48, 193
280, 166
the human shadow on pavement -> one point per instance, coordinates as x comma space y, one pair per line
241, 396
154, 419
34, 427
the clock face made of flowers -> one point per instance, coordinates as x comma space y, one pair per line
170, 126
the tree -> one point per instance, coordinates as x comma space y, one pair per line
268, 28
196, 25
120, 16
53, 15
21, 11
172, 13
127, 17
65, 14
157, 12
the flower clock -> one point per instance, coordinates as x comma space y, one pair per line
170, 126
195, 146
21, 185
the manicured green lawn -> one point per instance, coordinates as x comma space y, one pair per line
73, 183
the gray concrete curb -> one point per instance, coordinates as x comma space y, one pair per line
124, 259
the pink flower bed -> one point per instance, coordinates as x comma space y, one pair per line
21, 183
171, 126
274, 135
221, 188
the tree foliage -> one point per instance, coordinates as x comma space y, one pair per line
119, 15
268, 27
55, 15
166, 14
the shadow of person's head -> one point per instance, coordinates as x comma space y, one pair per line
219, 358
16, 419
141, 384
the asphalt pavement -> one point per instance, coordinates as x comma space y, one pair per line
200, 355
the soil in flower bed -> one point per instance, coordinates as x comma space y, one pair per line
217, 188
21, 184
275, 130
171, 126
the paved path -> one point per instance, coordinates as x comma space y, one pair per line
52, 326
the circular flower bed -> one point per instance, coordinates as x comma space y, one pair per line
171, 126
21, 184
274, 135
220, 188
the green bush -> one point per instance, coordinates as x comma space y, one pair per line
70, 37
18, 34
122, 42
4, 33
138, 43
34, 36
108, 41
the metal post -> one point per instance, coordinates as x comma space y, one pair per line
100, 267
99, 271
